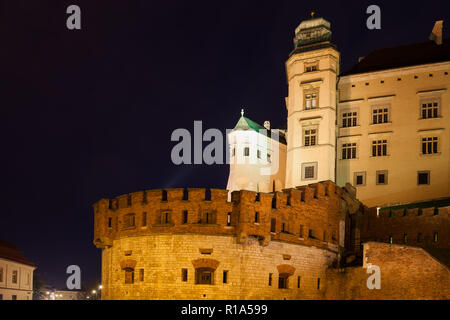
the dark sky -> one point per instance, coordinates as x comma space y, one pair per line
88, 114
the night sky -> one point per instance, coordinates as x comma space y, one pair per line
88, 114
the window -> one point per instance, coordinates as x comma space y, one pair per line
209, 218
310, 137
1, 274
311, 68
380, 115
141, 274
283, 227
268, 158
229, 219
256, 217
246, 151
273, 224
270, 279
311, 100
379, 148
109, 222
382, 177
349, 119
405, 238
14, 276
225, 276
144, 219
423, 177
14, 297
204, 276
419, 237
359, 178
435, 237
184, 219
349, 151
430, 109
129, 220
165, 217
309, 171
185, 194
164, 195
298, 282
310, 234
258, 154
283, 281
129, 276
233, 152
301, 231
184, 275
318, 283
429, 145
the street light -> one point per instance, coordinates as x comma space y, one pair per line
100, 287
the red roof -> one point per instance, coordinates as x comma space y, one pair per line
11, 252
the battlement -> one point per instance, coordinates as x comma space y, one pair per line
308, 215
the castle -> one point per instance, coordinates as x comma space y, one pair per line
360, 178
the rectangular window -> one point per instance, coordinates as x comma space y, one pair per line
246, 151
184, 275
382, 177
301, 231
165, 217
349, 151
129, 276
379, 148
429, 145
185, 217
129, 220
229, 219
310, 137
359, 178
258, 154
204, 275
349, 119
430, 109
268, 158
109, 222
1, 274
310, 233
273, 224
318, 283
144, 219
141, 274
311, 100
298, 282
233, 152
256, 217
283, 281
423, 177
380, 115
311, 68
225, 276
14, 297
14, 276
270, 279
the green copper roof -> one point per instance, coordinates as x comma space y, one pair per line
246, 124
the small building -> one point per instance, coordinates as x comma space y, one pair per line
16, 273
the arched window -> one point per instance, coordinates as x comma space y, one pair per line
204, 276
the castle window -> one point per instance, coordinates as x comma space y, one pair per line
429, 145
349, 151
209, 218
301, 231
129, 200
268, 158
298, 282
14, 276
109, 222
229, 219
380, 115
246, 151
311, 68
382, 177
310, 234
144, 219
141, 275
1, 274
164, 195
283, 281
185, 194
129, 275
129, 220
273, 225
310, 136
309, 171
165, 217
318, 283
283, 227
270, 279
359, 178
184, 219
204, 276
184, 275
311, 100
14, 297
379, 148
430, 108
349, 119
419, 237
225, 276
258, 154
257, 197
423, 178
256, 217
233, 152
435, 237
274, 199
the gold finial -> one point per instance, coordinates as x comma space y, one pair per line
312, 14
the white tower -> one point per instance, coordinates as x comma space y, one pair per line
312, 70
257, 157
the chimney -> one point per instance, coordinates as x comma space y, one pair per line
436, 33
267, 125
